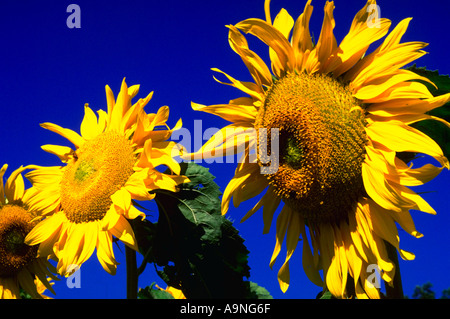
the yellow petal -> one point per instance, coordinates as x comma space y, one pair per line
388, 62
249, 88
121, 106
308, 261
376, 185
265, 199
44, 176
404, 90
131, 115
252, 187
267, 11
135, 185
105, 252
123, 231
292, 238
283, 22
301, 37
357, 41
326, 44
72, 136
284, 55
408, 106
376, 246
229, 140
384, 226
269, 209
45, 229
381, 84
89, 128
110, 100
15, 187
2, 191
230, 112
133, 90
405, 221
399, 137
111, 218
235, 183
133, 213
64, 153
282, 225
256, 66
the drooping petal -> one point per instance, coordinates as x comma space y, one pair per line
249, 88
64, 153
282, 226
123, 231
292, 238
105, 252
72, 136
284, 55
236, 183
257, 67
399, 137
231, 112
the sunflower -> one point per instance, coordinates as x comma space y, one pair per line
340, 117
20, 267
90, 199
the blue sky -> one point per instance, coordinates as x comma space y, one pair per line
49, 71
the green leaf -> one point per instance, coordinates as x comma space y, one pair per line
258, 292
194, 247
24, 294
325, 295
153, 293
424, 292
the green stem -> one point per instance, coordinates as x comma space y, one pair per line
395, 292
132, 275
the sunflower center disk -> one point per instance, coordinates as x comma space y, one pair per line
15, 224
321, 145
102, 167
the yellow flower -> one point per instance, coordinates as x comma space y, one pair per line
114, 163
20, 267
341, 115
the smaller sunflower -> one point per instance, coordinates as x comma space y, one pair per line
91, 198
19, 265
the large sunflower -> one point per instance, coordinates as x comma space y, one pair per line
20, 266
115, 162
340, 116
